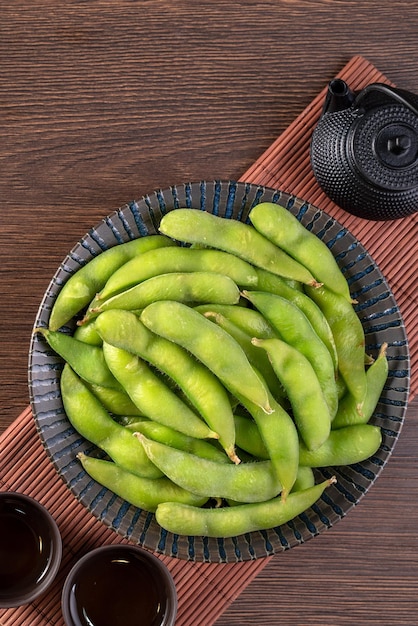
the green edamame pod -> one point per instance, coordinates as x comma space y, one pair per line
81, 287
285, 231
176, 439
280, 437
349, 339
248, 437
304, 480
179, 259
256, 357
195, 226
186, 287
248, 320
151, 395
85, 359
203, 390
88, 334
294, 328
237, 520
116, 401
246, 482
376, 376
210, 344
91, 420
145, 493
310, 410
277, 285
341, 387
345, 446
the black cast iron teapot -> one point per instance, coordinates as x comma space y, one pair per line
364, 150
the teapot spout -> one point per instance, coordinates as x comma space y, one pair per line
339, 96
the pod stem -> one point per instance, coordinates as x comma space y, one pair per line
315, 284
231, 453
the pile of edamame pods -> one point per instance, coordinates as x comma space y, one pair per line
214, 366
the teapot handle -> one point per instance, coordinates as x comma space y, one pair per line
378, 93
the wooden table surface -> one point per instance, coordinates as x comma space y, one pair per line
102, 102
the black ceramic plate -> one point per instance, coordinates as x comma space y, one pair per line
376, 308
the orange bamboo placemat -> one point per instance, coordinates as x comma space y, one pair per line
205, 590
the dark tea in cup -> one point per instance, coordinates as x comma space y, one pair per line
119, 585
30, 549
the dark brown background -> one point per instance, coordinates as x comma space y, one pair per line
102, 102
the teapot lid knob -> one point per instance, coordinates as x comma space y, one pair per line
397, 145
382, 144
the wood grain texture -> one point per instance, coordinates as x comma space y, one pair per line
104, 101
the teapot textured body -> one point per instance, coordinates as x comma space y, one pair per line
364, 150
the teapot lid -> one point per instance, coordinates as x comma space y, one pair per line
383, 144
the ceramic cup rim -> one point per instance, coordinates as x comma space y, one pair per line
54, 561
162, 571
